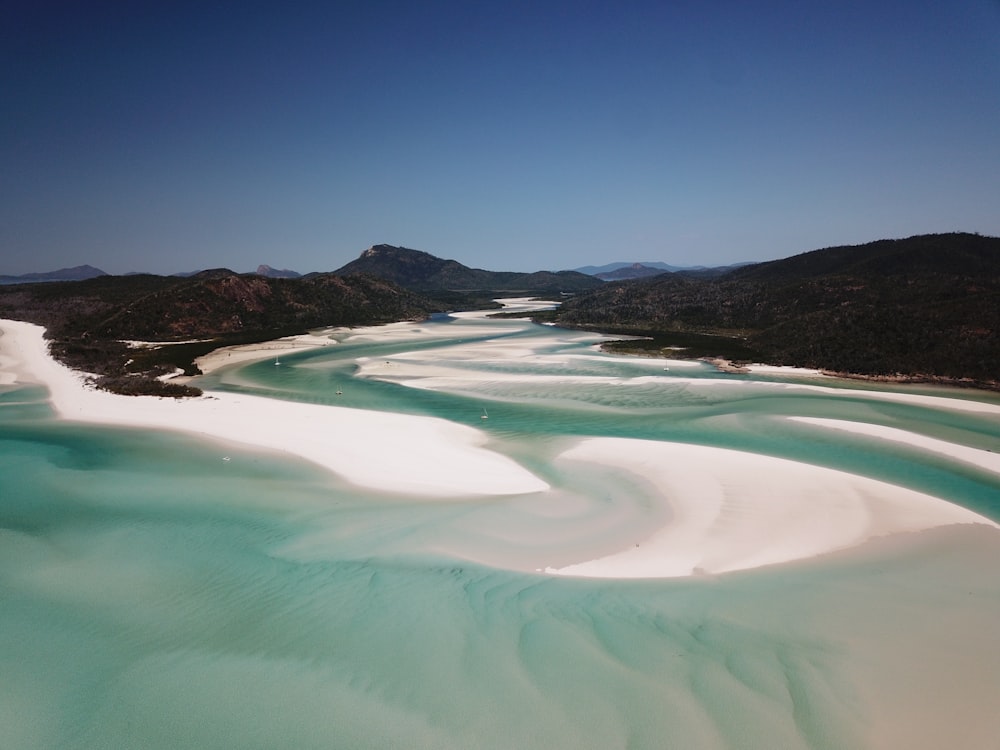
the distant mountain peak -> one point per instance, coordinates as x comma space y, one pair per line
375, 250
382, 252
421, 271
633, 271
76, 273
275, 273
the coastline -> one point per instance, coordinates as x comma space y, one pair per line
244, 353
705, 510
352, 443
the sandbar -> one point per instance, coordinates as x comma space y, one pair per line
387, 452
696, 510
978, 457
733, 510
245, 353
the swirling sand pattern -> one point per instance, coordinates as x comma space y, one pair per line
154, 595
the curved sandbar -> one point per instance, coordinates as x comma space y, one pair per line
981, 459
686, 509
389, 452
245, 353
734, 511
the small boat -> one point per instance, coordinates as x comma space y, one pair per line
484, 415
276, 362
339, 392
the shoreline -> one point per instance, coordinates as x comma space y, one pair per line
348, 442
704, 510
244, 353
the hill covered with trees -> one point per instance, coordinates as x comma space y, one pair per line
423, 272
923, 307
88, 321
926, 307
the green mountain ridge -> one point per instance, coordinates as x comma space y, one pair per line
925, 307
420, 271
87, 321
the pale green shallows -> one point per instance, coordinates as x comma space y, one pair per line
153, 595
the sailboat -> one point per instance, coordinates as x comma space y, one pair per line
484, 415
276, 362
338, 391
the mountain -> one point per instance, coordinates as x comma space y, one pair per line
262, 270
925, 306
423, 272
211, 303
611, 267
76, 273
89, 320
620, 271
634, 271
274, 273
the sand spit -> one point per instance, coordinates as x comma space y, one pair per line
733, 510
244, 353
983, 459
388, 452
701, 510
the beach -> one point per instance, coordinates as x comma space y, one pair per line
353, 444
620, 556
703, 510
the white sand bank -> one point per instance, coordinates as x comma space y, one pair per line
699, 509
511, 305
983, 459
734, 510
243, 353
390, 452
761, 369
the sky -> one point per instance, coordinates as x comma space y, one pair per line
517, 136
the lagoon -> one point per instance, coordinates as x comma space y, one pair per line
178, 587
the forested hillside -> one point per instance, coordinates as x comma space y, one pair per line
926, 306
923, 307
423, 272
88, 320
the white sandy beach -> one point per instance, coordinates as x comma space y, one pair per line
734, 510
390, 452
709, 510
242, 353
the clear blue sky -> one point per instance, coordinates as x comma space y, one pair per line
173, 136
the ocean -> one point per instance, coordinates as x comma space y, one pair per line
161, 591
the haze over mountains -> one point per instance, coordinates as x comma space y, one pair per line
424, 269
76, 273
79, 273
639, 270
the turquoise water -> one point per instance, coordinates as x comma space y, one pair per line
152, 596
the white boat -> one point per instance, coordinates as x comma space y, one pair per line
484, 415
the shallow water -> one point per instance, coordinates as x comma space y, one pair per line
153, 595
